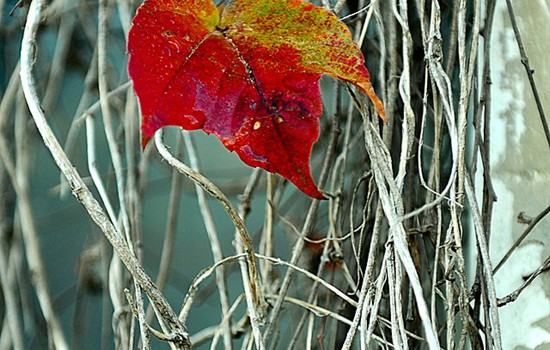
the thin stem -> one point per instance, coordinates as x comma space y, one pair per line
529, 71
215, 245
79, 188
249, 269
524, 235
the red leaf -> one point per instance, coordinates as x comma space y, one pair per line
249, 76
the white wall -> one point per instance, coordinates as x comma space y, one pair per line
520, 160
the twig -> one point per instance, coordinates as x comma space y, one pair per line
12, 314
313, 277
79, 189
116, 157
393, 209
529, 71
215, 246
299, 245
369, 317
313, 290
524, 235
487, 270
515, 294
360, 313
395, 301
226, 322
59, 60
171, 223
18, 176
250, 277
199, 279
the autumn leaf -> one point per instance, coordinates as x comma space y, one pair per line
248, 73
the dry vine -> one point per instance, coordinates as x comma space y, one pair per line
381, 264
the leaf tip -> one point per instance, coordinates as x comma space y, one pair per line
144, 141
304, 182
319, 196
367, 88
146, 134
